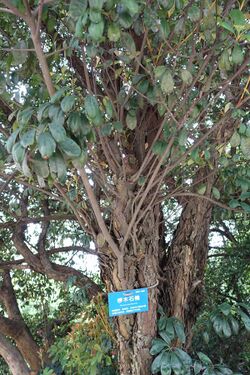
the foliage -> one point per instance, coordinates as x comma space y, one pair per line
89, 347
171, 359
110, 110
227, 283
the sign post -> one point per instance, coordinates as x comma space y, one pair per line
128, 302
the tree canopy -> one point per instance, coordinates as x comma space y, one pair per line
125, 134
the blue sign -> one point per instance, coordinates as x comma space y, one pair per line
128, 302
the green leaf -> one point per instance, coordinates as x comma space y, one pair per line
166, 364
216, 193
245, 195
53, 111
11, 140
182, 138
242, 129
169, 329
18, 152
218, 324
58, 132
125, 20
245, 147
118, 126
165, 337
95, 15
41, 167
98, 120
25, 168
237, 17
114, 32
167, 4
235, 325
235, 140
184, 357
225, 308
91, 106
70, 148
96, 4
233, 203
224, 61
194, 13
175, 363
167, 83
127, 42
67, 103
164, 28
179, 329
159, 147
108, 106
226, 25
96, 30
58, 167
186, 76
157, 346
197, 367
163, 319
46, 145
77, 7
156, 365
75, 122
159, 71
24, 116
132, 6
27, 138
42, 110
57, 96
204, 358
131, 121
202, 189
237, 55
245, 206
226, 329
106, 129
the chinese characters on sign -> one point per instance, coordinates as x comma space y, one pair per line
128, 302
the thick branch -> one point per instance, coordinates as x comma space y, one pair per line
13, 357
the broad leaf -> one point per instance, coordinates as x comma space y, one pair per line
58, 132
91, 106
18, 152
46, 145
167, 82
166, 364
157, 346
70, 148
156, 365
27, 138
204, 358
68, 103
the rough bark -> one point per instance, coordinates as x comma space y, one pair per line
136, 331
15, 327
185, 261
13, 357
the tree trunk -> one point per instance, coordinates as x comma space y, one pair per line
135, 331
185, 264
13, 357
15, 327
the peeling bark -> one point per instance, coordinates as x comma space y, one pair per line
185, 264
136, 331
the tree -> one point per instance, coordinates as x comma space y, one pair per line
125, 105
